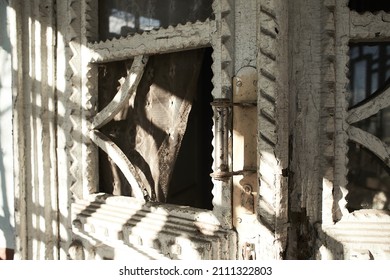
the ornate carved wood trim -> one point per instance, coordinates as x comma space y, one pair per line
328, 101
341, 231
85, 52
223, 48
369, 26
342, 23
347, 24
149, 231
273, 127
183, 37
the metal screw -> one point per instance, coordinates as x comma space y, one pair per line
239, 83
248, 188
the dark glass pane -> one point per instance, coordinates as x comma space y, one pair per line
362, 6
369, 68
191, 182
369, 177
124, 17
369, 76
368, 180
378, 125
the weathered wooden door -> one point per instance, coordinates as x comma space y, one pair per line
149, 76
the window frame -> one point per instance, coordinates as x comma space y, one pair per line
345, 117
349, 235
85, 54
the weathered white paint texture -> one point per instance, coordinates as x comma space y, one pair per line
341, 231
79, 101
34, 129
297, 124
272, 149
7, 238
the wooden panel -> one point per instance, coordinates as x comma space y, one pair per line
189, 36
125, 228
272, 137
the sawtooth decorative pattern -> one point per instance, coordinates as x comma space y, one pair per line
363, 27
369, 26
222, 67
90, 17
218, 34
340, 29
84, 56
81, 107
73, 104
89, 31
188, 36
328, 108
272, 143
223, 48
362, 234
342, 23
89, 105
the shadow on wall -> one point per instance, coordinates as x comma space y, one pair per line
6, 227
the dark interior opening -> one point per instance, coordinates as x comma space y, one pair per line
190, 183
362, 6
369, 76
368, 180
111, 179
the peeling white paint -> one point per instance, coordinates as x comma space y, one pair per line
7, 237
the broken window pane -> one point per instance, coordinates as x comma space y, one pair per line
368, 180
362, 6
369, 68
166, 131
369, 177
125, 17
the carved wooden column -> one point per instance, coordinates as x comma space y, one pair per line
272, 67
34, 60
